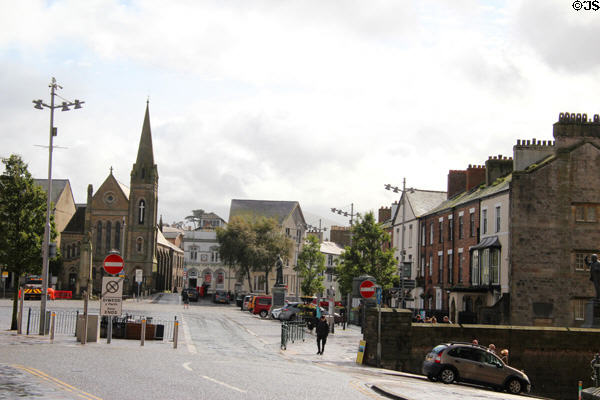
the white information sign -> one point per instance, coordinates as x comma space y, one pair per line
139, 275
112, 296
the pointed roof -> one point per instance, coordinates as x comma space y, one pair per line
145, 153
278, 210
58, 186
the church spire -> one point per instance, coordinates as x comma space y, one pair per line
145, 154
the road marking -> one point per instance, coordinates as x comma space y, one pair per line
187, 366
358, 386
188, 337
224, 384
247, 330
57, 382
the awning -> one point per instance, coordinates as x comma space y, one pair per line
490, 241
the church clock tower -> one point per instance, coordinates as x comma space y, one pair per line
140, 252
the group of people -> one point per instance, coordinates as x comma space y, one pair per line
492, 347
431, 320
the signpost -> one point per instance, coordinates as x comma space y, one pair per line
112, 301
139, 277
113, 264
4, 276
378, 289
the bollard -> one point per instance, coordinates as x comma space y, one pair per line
20, 312
579, 389
109, 330
175, 333
28, 319
52, 324
143, 334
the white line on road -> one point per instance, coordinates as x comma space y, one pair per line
188, 338
224, 384
187, 366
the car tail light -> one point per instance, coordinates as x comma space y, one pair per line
285, 309
438, 357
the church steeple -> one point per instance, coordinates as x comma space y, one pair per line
144, 169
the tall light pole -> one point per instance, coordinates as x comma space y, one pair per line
39, 104
396, 189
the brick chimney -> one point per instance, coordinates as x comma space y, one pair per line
475, 176
385, 214
457, 182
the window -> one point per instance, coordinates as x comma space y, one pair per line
579, 309
99, 237
441, 231
330, 260
410, 235
431, 233
460, 227
139, 245
475, 268
485, 266
497, 218
484, 222
472, 224
141, 211
422, 266
423, 234
450, 228
118, 236
430, 265
441, 268
450, 271
287, 232
193, 253
259, 283
460, 267
108, 232
495, 266
580, 264
585, 212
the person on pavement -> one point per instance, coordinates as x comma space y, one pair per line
322, 332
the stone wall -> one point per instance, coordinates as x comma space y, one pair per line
555, 359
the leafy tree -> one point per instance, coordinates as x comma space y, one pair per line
311, 265
269, 243
235, 246
365, 255
22, 221
196, 218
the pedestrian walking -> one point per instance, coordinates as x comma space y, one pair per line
322, 332
343, 315
186, 299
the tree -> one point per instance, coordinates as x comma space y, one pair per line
22, 222
311, 265
269, 243
365, 256
235, 246
196, 218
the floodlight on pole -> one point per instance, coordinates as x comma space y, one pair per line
39, 104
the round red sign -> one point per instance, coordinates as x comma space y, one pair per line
113, 264
367, 289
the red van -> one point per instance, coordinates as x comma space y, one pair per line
262, 305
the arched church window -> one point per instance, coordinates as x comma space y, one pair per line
141, 211
99, 237
78, 249
108, 232
118, 235
140, 245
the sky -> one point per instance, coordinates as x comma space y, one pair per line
318, 101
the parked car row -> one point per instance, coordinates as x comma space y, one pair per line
256, 304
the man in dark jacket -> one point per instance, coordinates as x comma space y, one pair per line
322, 332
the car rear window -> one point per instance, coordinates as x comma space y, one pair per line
439, 348
264, 301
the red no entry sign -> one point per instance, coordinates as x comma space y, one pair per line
113, 264
367, 289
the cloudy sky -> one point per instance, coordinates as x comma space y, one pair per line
317, 101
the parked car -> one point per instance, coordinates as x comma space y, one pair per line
246, 302
465, 362
289, 312
221, 296
262, 305
191, 293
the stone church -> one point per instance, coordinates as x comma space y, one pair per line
122, 219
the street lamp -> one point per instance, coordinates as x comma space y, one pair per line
396, 189
39, 104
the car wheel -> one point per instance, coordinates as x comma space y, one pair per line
447, 375
263, 314
514, 386
292, 317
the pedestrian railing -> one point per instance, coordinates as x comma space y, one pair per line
292, 331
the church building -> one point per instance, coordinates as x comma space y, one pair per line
122, 219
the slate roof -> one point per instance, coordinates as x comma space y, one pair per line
421, 201
77, 222
331, 248
58, 186
170, 232
278, 210
160, 239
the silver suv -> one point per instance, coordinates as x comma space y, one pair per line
454, 362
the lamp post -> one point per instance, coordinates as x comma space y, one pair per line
39, 104
396, 189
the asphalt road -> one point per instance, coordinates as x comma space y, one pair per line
222, 353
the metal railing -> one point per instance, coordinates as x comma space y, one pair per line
292, 331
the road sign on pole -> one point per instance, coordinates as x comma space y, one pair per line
112, 296
113, 264
378, 295
367, 289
